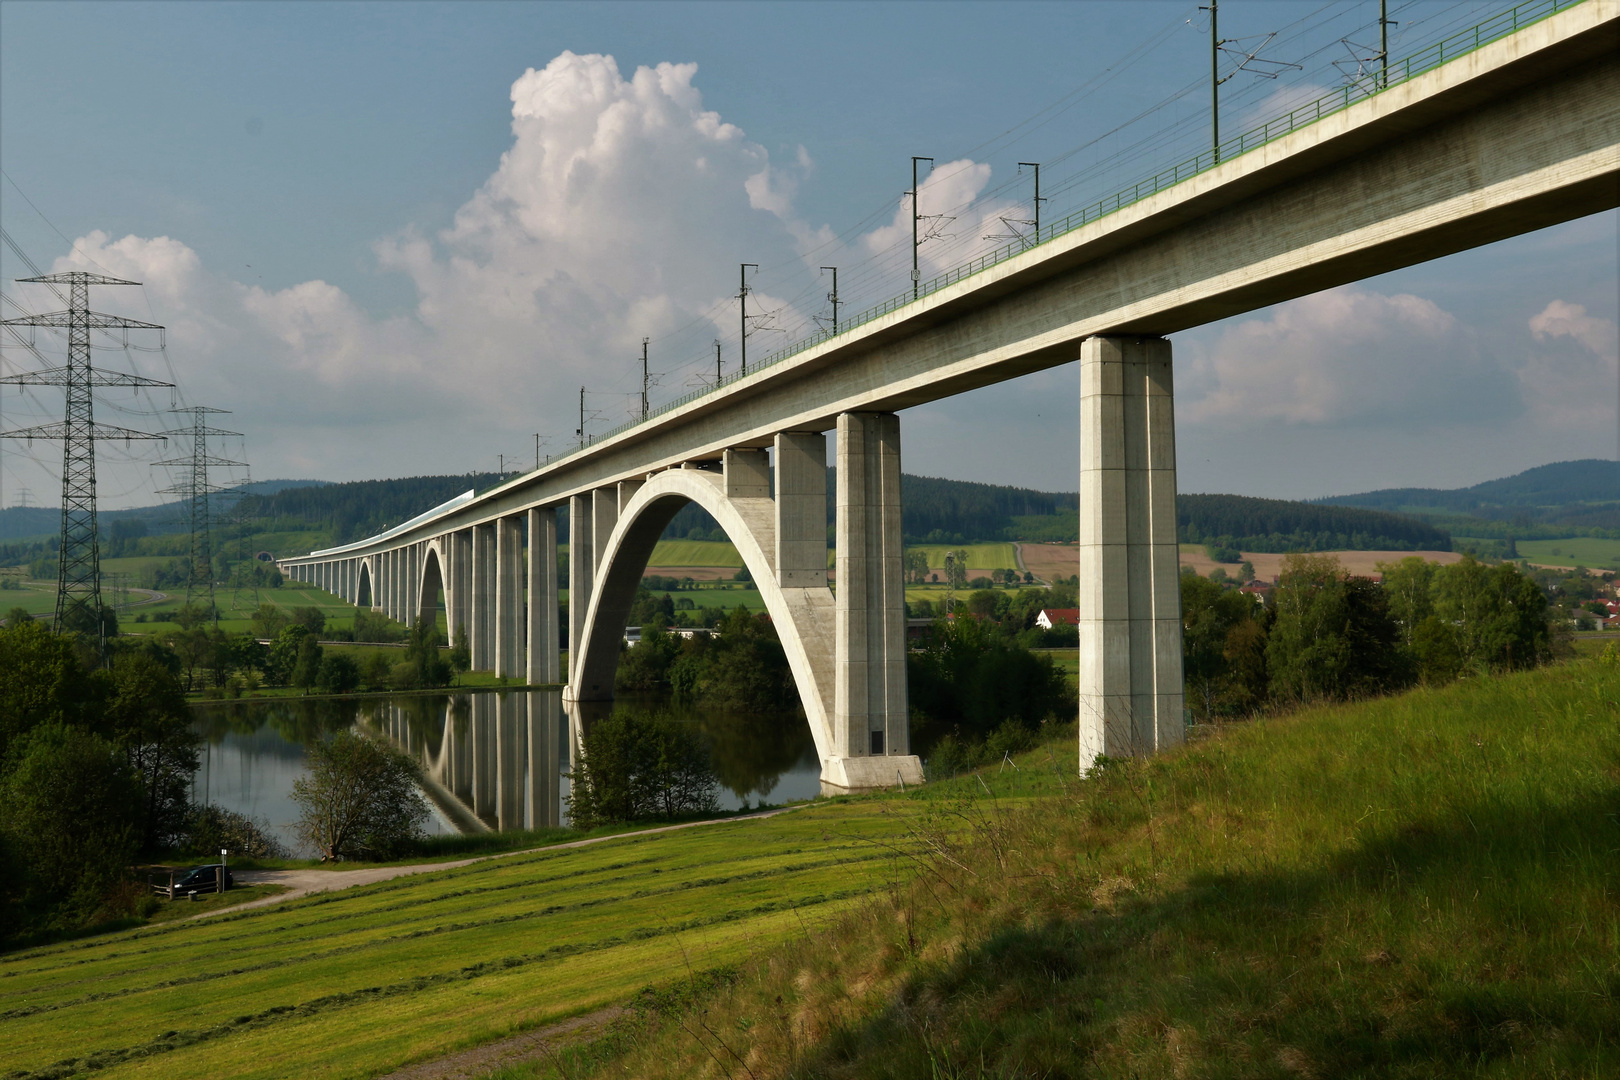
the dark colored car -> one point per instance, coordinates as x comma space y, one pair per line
202, 879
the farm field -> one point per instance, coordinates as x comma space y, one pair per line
982, 558
695, 553
364, 980
1267, 565
1590, 552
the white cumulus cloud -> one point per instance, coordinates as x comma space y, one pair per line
1348, 355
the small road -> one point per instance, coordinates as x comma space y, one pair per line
307, 881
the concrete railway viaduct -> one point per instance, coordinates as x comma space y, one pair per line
1514, 132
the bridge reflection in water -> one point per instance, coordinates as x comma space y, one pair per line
489, 761
498, 761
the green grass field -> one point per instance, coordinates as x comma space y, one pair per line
695, 553
980, 556
1590, 552
1417, 886
1421, 885
237, 606
358, 982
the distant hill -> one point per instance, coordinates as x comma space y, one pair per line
32, 522
358, 509
1567, 498
294, 515
1278, 525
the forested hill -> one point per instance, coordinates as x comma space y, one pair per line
936, 509
356, 510
1277, 525
1573, 493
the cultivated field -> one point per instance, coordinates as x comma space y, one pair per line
695, 553
982, 558
1592, 553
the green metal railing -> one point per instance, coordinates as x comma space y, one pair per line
1423, 60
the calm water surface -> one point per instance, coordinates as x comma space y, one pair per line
490, 760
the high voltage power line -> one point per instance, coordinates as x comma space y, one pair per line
78, 573
196, 489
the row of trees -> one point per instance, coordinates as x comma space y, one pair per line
1328, 635
740, 666
95, 768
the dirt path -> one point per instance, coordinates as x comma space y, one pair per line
517, 1050
304, 882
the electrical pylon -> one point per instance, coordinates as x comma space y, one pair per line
196, 489
78, 564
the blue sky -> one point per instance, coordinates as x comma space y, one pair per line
353, 220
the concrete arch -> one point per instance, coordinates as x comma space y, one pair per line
804, 617
365, 588
431, 582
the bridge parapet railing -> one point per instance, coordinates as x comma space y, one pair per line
1422, 60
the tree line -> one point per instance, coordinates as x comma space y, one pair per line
95, 770
358, 509
1327, 635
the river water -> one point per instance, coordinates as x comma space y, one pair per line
490, 760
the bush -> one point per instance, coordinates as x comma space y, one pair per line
71, 807
360, 798
214, 827
338, 674
969, 678
638, 766
1334, 636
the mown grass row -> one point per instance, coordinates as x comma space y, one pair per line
1419, 886
362, 980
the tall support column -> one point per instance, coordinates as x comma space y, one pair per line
461, 560
413, 583
604, 515
544, 662
479, 604
581, 567
390, 580
508, 597
1131, 691
801, 510
870, 731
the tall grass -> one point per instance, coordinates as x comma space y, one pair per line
1426, 885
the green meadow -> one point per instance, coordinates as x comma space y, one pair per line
1590, 552
1423, 885
979, 557
361, 981
695, 553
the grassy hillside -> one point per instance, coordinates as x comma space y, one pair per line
359, 982
1418, 886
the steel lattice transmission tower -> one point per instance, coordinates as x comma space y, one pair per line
78, 565
196, 489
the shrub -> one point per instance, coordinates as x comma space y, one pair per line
638, 765
359, 798
338, 674
215, 827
